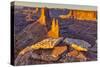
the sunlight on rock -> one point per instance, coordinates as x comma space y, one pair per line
84, 15
42, 19
79, 48
54, 32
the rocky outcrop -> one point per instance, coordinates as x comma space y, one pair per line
79, 42
53, 50
40, 51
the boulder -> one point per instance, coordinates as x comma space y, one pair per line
79, 42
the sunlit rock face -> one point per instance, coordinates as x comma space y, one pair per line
48, 43
84, 15
54, 32
42, 19
80, 15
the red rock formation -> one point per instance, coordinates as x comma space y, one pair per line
42, 19
80, 15
84, 15
54, 32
